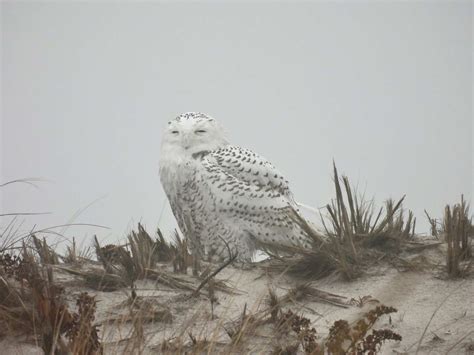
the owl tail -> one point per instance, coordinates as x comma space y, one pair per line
312, 216
309, 208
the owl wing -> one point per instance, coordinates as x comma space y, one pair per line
251, 168
245, 193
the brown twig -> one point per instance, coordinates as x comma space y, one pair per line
232, 257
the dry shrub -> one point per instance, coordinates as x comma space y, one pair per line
32, 303
82, 333
353, 339
16, 308
43, 309
286, 321
301, 326
51, 315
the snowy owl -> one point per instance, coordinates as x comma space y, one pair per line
219, 192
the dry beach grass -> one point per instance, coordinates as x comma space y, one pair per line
369, 285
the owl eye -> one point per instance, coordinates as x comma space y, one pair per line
175, 132
200, 131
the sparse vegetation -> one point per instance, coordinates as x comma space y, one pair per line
33, 303
39, 287
83, 333
44, 251
76, 256
301, 326
434, 225
355, 236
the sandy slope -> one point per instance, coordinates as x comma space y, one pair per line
418, 296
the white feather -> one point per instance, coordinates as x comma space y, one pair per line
222, 192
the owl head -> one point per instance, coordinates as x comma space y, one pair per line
194, 132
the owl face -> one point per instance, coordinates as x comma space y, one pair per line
194, 132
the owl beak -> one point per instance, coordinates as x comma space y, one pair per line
186, 143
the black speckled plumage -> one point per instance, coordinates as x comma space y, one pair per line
219, 191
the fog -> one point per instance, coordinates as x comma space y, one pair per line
384, 89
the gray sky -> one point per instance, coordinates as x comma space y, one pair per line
383, 88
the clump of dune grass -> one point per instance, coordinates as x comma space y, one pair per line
134, 259
353, 222
144, 250
457, 229
76, 256
138, 259
356, 235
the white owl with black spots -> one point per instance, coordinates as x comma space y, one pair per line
218, 191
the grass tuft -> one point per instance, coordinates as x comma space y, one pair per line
457, 229
45, 252
355, 236
75, 256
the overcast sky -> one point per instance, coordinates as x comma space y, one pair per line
385, 89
